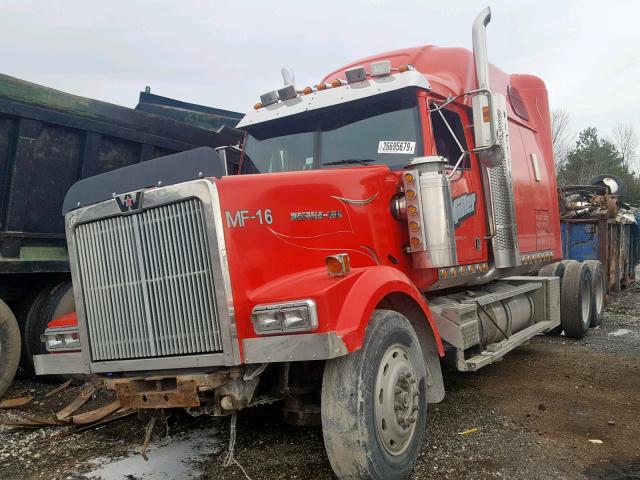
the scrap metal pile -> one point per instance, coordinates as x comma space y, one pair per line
601, 199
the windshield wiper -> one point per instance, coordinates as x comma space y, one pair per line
346, 161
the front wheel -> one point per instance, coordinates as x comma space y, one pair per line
374, 403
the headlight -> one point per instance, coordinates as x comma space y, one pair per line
296, 316
61, 339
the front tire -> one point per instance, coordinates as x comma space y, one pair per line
374, 403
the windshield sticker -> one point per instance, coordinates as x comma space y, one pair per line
396, 146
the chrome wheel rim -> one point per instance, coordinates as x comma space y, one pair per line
396, 400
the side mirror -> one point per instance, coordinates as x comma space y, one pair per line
490, 127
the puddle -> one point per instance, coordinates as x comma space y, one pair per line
619, 332
169, 459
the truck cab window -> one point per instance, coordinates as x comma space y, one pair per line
446, 145
377, 130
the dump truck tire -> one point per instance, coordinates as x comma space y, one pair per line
575, 300
9, 347
553, 270
598, 297
52, 301
365, 436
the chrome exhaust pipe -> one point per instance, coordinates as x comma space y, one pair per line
479, 39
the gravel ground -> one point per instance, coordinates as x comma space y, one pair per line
535, 414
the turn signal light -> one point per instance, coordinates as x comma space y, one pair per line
338, 265
486, 117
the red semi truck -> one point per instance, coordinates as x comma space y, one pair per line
384, 220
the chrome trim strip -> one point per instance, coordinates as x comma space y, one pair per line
289, 348
352, 201
160, 363
206, 191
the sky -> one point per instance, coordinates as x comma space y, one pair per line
225, 54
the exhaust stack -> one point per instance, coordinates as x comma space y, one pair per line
496, 158
479, 38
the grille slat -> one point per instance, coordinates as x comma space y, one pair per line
147, 284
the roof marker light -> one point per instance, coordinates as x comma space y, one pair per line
321, 86
307, 90
356, 74
403, 68
257, 106
336, 83
380, 68
269, 98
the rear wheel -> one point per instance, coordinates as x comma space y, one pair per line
599, 289
554, 270
374, 403
575, 300
9, 347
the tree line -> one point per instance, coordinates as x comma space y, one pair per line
580, 159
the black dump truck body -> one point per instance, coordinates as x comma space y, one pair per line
49, 140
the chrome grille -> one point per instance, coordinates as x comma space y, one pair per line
147, 284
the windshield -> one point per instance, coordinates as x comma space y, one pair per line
379, 130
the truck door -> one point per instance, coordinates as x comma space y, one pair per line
451, 134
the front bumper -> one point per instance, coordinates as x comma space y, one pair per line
282, 348
293, 348
59, 364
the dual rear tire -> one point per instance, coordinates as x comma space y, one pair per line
582, 295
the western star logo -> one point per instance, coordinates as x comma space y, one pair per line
129, 202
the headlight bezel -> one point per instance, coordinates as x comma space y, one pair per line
281, 318
61, 339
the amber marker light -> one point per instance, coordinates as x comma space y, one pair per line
415, 242
403, 68
414, 226
307, 90
257, 106
408, 178
338, 265
321, 86
411, 194
486, 117
412, 209
336, 83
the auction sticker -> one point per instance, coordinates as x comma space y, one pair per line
396, 146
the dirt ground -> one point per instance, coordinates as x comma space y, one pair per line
556, 408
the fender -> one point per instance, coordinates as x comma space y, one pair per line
366, 293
